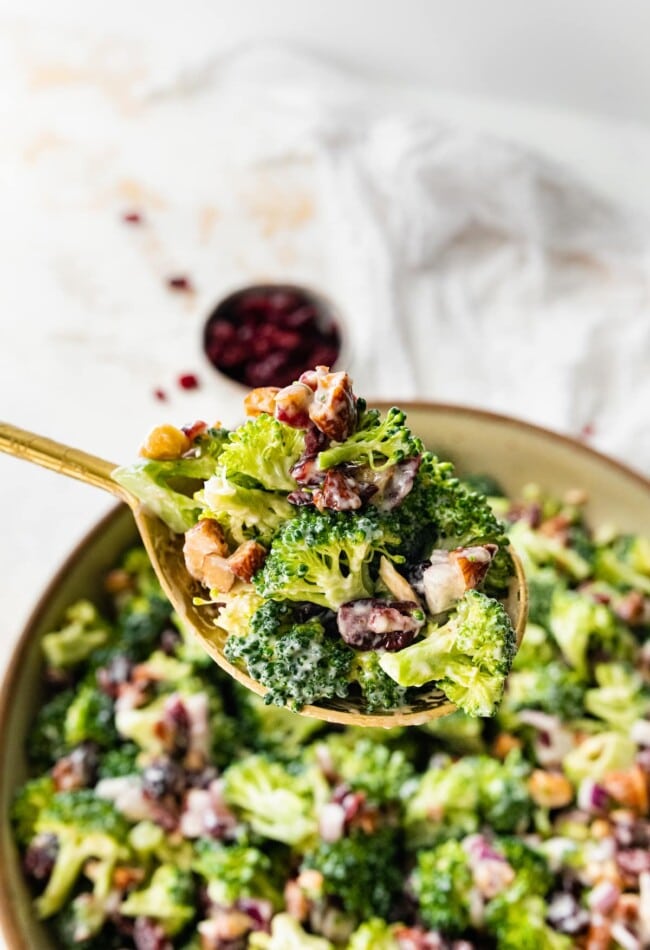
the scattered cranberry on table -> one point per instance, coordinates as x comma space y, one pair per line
268, 335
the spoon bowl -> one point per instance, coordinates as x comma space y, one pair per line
165, 550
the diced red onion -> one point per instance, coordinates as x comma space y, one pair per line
592, 797
603, 897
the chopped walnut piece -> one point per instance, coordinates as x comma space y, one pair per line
334, 407
164, 443
261, 400
205, 551
451, 573
247, 560
474, 562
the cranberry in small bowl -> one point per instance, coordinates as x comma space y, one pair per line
268, 334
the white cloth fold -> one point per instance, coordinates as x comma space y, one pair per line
467, 269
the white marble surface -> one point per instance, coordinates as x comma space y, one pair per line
88, 329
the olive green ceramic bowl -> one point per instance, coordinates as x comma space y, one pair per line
513, 452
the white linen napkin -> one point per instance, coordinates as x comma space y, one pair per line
467, 270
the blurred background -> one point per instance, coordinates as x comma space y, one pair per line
467, 183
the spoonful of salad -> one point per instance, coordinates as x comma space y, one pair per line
322, 556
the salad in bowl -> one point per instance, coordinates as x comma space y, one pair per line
344, 560
170, 809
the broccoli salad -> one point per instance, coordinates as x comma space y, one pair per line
344, 559
171, 808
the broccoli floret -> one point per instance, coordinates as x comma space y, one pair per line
620, 697
235, 872
377, 688
536, 648
374, 934
264, 450
444, 804
169, 898
119, 761
83, 631
46, 740
625, 563
273, 729
460, 733
323, 558
504, 800
85, 827
244, 512
287, 934
440, 510
140, 624
532, 873
442, 882
368, 766
90, 718
484, 484
453, 800
299, 663
361, 871
469, 658
28, 803
378, 442
542, 584
553, 688
167, 487
275, 803
538, 550
521, 925
597, 755
580, 625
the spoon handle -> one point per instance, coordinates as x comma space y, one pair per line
59, 458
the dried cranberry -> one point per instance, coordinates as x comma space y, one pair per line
163, 778
180, 284
188, 381
132, 217
116, 672
40, 857
176, 729
371, 624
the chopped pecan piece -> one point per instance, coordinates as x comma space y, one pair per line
371, 624
247, 560
338, 493
261, 400
474, 562
205, 551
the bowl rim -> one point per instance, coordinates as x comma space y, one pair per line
9, 919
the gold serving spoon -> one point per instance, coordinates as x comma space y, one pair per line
165, 550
